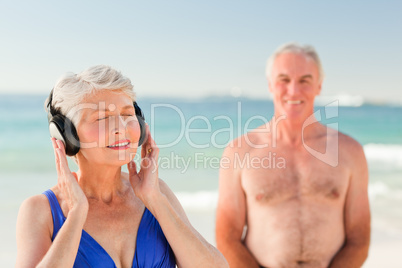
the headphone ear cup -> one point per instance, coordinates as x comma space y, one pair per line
141, 121
143, 130
61, 128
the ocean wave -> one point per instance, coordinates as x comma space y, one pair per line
380, 189
340, 100
354, 101
390, 154
201, 200
208, 200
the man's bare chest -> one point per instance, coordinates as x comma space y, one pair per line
298, 177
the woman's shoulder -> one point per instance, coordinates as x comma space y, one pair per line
35, 213
37, 203
33, 230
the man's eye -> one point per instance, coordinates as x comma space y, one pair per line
128, 115
102, 118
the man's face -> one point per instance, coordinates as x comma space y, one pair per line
294, 83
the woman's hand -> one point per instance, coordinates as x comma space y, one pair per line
146, 182
36, 248
68, 182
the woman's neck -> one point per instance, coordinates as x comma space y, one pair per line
102, 182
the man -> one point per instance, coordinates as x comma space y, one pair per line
311, 208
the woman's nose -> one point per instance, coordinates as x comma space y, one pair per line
118, 125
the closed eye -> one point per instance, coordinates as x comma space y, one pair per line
106, 117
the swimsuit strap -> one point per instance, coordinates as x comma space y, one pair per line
57, 212
152, 248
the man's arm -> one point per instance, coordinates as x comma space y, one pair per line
357, 215
231, 214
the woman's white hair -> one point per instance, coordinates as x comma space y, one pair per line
71, 89
295, 48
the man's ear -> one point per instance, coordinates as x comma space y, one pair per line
319, 88
269, 85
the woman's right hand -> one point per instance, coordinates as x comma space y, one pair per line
68, 182
36, 248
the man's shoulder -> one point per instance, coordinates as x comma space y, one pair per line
250, 140
348, 142
343, 139
233, 147
242, 144
349, 146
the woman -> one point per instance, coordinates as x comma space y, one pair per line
101, 216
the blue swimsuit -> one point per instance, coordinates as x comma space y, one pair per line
152, 248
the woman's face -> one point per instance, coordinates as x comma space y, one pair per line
108, 130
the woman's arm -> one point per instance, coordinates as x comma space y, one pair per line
189, 247
35, 224
34, 233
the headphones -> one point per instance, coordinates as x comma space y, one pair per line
61, 127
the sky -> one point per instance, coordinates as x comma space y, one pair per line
194, 49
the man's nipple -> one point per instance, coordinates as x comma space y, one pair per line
260, 196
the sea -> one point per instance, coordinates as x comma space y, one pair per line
191, 135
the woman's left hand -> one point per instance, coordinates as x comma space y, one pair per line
189, 247
146, 182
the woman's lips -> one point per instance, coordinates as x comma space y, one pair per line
120, 145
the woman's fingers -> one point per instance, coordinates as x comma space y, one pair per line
75, 176
61, 161
60, 144
145, 145
56, 155
54, 143
153, 150
132, 168
132, 171
62, 158
67, 180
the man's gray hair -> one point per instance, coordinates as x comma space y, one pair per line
295, 48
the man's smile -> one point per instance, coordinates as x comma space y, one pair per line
293, 102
